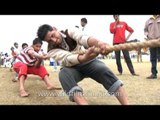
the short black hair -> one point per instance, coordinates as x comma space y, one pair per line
42, 31
77, 26
84, 20
115, 15
23, 44
12, 48
15, 43
37, 40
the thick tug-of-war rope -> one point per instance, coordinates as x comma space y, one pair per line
126, 46
133, 46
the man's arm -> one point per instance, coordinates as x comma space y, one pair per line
146, 29
113, 27
87, 41
99, 44
130, 30
36, 55
38, 62
128, 36
90, 54
67, 58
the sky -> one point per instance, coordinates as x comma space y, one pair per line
23, 28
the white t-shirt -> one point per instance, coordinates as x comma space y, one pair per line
85, 30
17, 50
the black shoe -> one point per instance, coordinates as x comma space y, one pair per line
152, 77
134, 74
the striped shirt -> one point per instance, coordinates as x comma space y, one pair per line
26, 58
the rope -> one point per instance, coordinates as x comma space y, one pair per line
133, 46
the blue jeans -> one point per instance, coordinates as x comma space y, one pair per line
95, 69
153, 59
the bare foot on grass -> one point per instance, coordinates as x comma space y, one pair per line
23, 93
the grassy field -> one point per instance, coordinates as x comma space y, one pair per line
140, 90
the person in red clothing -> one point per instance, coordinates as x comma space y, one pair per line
29, 62
118, 29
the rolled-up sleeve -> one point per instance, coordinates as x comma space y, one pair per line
66, 58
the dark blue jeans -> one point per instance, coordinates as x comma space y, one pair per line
95, 69
153, 59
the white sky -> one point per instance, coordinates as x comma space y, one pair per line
23, 28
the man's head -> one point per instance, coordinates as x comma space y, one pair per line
12, 48
48, 33
15, 44
83, 22
37, 44
116, 17
24, 45
43, 30
155, 16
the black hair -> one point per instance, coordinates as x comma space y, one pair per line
42, 31
12, 48
24, 44
115, 15
84, 20
77, 26
37, 40
15, 43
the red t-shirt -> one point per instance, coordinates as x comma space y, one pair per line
119, 31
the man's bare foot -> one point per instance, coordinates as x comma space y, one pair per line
53, 88
23, 93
